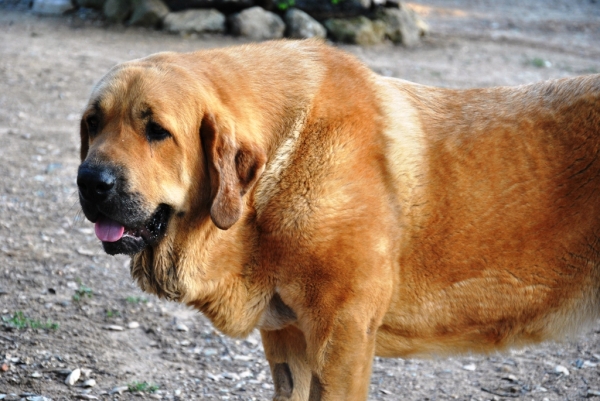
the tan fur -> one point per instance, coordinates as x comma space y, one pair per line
363, 215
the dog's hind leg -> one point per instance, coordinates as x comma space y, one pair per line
285, 350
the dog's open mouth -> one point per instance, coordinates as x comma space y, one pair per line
118, 238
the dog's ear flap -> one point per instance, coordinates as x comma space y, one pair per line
85, 141
233, 167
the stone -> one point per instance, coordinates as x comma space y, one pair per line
133, 325
195, 21
358, 30
471, 367
257, 24
300, 25
181, 327
117, 11
89, 383
73, 377
95, 4
114, 327
148, 13
52, 7
559, 369
401, 25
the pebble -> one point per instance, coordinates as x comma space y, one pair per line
114, 327
230, 376
86, 372
89, 383
559, 369
181, 327
593, 393
213, 377
133, 325
73, 377
38, 398
470, 367
36, 375
209, 351
4, 368
86, 397
119, 389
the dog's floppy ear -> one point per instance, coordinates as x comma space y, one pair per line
85, 144
233, 167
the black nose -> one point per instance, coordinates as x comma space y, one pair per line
95, 182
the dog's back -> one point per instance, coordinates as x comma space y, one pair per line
500, 192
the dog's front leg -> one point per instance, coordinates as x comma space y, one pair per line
340, 352
286, 352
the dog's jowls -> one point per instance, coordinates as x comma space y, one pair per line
286, 187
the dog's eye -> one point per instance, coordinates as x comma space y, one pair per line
92, 123
155, 132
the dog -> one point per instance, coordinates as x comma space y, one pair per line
284, 186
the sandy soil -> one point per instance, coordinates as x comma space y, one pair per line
60, 295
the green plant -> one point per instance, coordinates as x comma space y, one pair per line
136, 300
20, 321
112, 313
82, 292
285, 4
141, 387
539, 62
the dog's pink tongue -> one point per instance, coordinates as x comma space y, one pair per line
109, 230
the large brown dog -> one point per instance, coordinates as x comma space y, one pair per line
286, 187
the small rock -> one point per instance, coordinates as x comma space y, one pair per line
230, 376
593, 393
384, 391
401, 25
85, 372
300, 25
195, 21
181, 327
257, 24
148, 12
36, 375
86, 397
73, 377
51, 7
213, 377
511, 378
559, 369
589, 364
359, 30
118, 390
470, 367
4, 367
89, 383
209, 351
114, 327
38, 398
133, 325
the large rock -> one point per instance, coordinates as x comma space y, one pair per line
117, 11
257, 24
191, 21
52, 7
402, 25
225, 6
300, 25
323, 9
95, 4
148, 12
357, 30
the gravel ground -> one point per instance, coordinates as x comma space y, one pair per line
64, 305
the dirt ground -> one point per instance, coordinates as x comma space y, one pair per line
66, 305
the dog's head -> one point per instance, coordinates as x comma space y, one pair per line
160, 149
